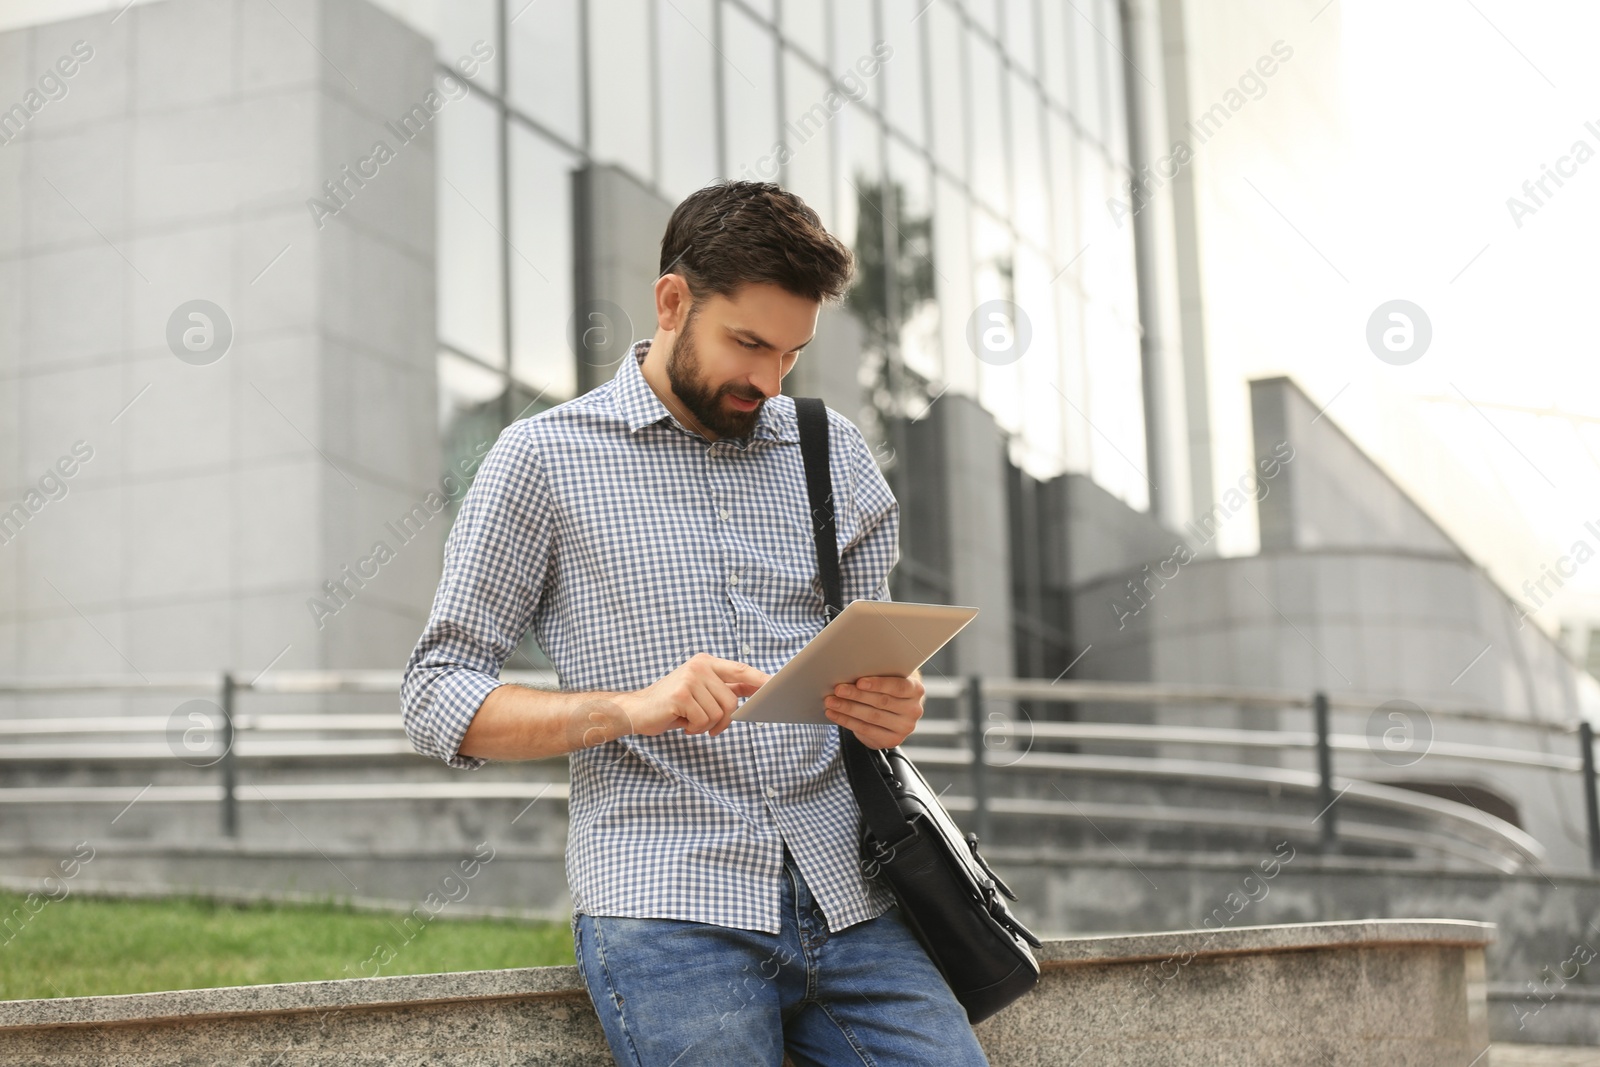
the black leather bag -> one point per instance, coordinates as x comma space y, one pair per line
947, 893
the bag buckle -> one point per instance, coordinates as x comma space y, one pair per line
972, 843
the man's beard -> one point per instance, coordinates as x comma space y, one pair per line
683, 373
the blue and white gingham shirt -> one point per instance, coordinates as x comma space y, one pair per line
629, 543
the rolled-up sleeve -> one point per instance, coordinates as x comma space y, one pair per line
496, 561
865, 562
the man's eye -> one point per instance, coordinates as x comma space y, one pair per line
752, 345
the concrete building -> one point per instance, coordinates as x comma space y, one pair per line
316, 201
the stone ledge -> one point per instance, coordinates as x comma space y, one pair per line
1260, 940
540, 982
292, 997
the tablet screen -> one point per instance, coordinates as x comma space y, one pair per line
870, 637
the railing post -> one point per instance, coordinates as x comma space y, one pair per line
1319, 707
230, 802
980, 784
1591, 802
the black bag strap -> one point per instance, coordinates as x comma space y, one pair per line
812, 415
865, 768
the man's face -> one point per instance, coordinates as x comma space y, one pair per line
732, 353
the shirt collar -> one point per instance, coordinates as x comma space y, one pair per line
639, 405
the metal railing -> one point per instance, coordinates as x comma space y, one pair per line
236, 735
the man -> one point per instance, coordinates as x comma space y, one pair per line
655, 533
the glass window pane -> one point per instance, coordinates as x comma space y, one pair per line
750, 97
945, 60
541, 263
993, 279
1032, 216
853, 40
1074, 380
1092, 189
619, 84
467, 41
860, 171
805, 24
916, 309
1116, 407
688, 96
1116, 115
1121, 282
1086, 52
902, 71
991, 258
471, 414
988, 149
1053, 36
1096, 265
983, 12
808, 134
542, 65
953, 257
1065, 203
1022, 34
1039, 369
470, 281
858, 203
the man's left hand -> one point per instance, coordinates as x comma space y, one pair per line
881, 710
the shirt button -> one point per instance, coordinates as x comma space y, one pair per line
733, 579
724, 514
745, 650
771, 793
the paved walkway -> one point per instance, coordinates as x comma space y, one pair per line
1542, 1056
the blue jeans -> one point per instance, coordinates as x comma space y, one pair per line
687, 994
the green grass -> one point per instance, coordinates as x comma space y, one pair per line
85, 946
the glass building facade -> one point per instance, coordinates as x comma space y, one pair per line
965, 151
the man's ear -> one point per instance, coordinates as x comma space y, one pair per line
673, 300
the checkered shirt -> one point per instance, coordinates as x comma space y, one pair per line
629, 543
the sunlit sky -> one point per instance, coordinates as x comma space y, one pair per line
1395, 167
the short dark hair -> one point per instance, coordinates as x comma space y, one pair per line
734, 232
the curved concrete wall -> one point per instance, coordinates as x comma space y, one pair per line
1380, 623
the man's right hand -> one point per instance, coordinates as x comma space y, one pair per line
516, 722
700, 697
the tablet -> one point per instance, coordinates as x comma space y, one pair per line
869, 637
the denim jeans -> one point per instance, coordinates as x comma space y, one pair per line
685, 994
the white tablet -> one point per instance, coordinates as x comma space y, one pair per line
870, 637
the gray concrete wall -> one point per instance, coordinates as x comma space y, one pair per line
221, 496
1388, 625
1358, 993
1332, 494
1103, 536
974, 493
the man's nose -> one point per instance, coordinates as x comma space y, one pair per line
767, 382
